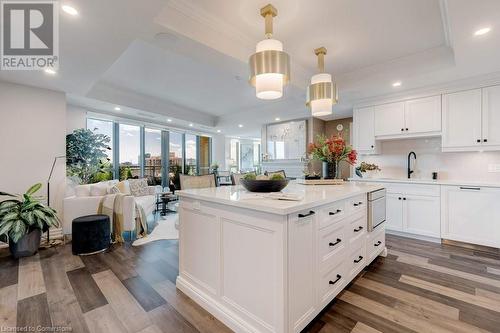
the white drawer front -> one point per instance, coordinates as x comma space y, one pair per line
413, 189
357, 228
357, 260
375, 243
356, 204
331, 282
332, 214
332, 244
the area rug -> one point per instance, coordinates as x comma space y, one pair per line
165, 229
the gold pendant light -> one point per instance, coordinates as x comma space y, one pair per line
269, 66
322, 93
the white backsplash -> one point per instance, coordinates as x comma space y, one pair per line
470, 166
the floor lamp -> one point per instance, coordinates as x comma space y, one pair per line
48, 190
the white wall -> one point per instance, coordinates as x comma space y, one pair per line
76, 117
219, 150
470, 166
32, 133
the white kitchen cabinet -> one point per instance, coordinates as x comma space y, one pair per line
413, 118
491, 116
471, 214
422, 215
423, 115
389, 119
462, 121
394, 212
364, 130
413, 209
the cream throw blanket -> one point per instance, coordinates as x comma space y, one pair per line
112, 206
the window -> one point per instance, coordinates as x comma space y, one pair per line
130, 151
152, 156
175, 160
191, 153
204, 149
106, 128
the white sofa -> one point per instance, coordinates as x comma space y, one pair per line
86, 199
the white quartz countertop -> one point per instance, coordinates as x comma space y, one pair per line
428, 181
312, 196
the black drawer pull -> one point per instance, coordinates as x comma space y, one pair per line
404, 198
399, 198
311, 212
336, 212
358, 229
336, 280
358, 204
402, 130
377, 243
485, 140
359, 259
470, 188
333, 244
478, 140
406, 129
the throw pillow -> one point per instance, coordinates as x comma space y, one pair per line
98, 190
114, 190
139, 187
124, 187
82, 191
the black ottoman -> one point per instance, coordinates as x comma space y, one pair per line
91, 234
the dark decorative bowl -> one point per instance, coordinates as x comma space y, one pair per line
264, 185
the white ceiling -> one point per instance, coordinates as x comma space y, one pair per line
186, 60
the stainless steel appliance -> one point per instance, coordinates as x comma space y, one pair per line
376, 209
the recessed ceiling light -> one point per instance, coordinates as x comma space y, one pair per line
277, 119
218, 131
50, 71
240, 125
70, 10
397, 84
117, 108
169, 120
190, 125
482, 31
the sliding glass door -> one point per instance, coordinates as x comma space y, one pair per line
175, 158
129, 151
152, 156
191, 166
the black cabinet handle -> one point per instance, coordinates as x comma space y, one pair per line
404, 198
356, 204
358, 229
336, 212
406, 129
359, 259
333, 244
402, 130
336, 280
399, 198
372, 146
470, 188
485, 140
478, 140
377, 243
311, 212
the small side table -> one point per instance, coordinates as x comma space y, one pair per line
163, 199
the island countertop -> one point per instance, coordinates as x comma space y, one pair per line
311, 195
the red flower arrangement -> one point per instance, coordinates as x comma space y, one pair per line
332, 150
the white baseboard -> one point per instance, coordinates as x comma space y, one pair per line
414, 236
218, 310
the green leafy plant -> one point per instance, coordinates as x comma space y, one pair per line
86, 154
276, 176
25, 213
250, 176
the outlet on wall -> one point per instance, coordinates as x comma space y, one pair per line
493, 167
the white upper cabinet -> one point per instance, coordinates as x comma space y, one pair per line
389, 119
423, 115
491, 116
471, 120
364, 130
462, 120
412, 118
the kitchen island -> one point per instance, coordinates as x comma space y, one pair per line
264, 265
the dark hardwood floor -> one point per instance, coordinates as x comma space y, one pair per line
419, 287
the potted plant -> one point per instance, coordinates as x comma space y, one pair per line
23, 219
331, 151
366, 170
